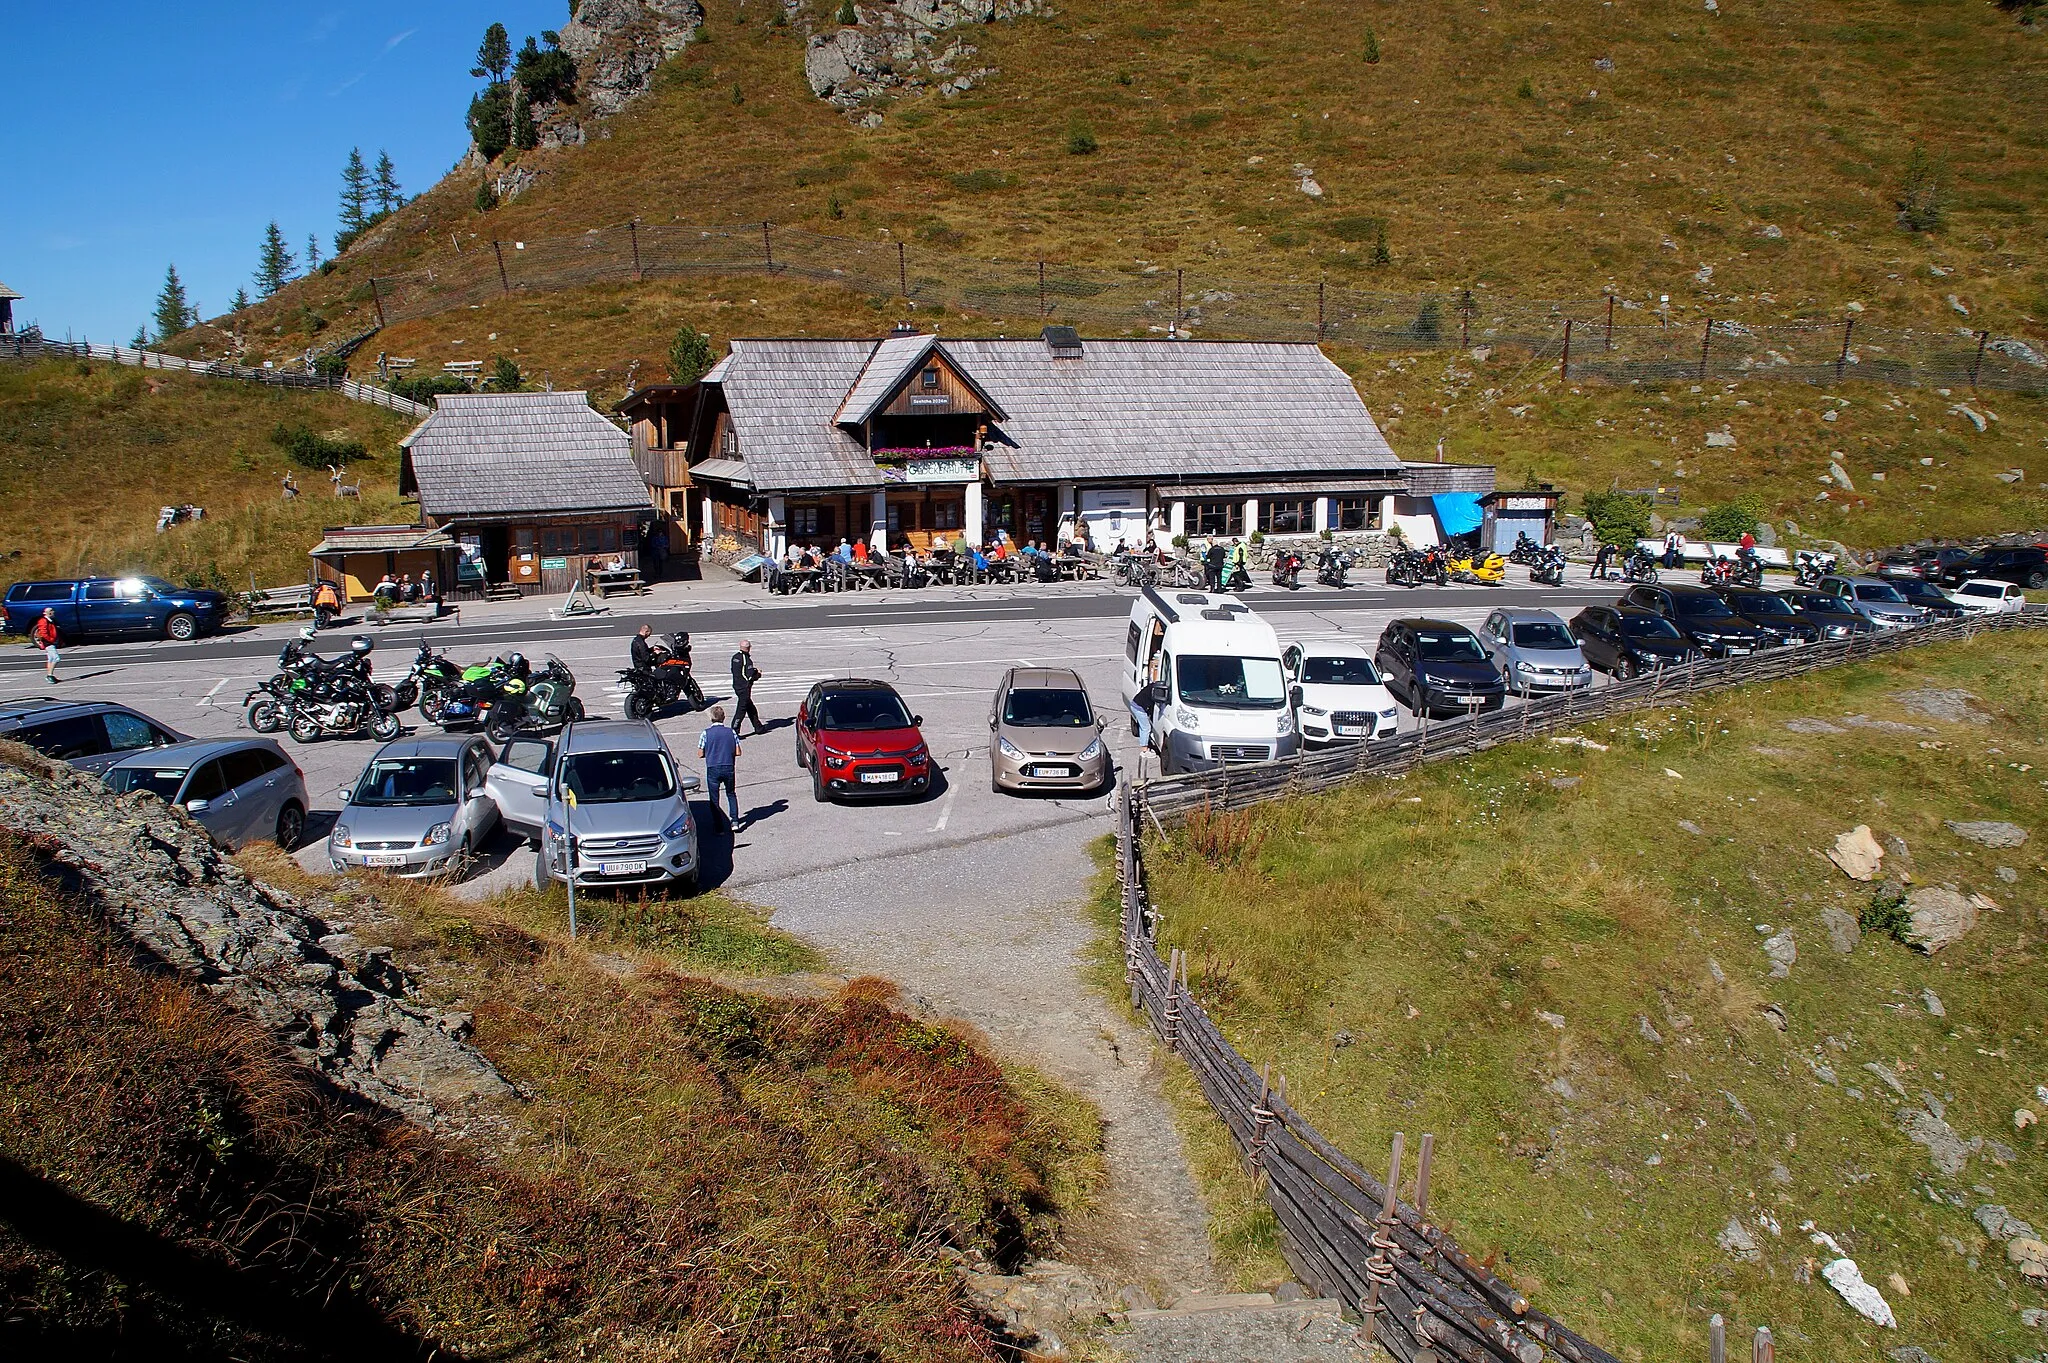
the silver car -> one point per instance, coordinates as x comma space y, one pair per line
611, 806
1875, 600
1535, 652
241, 790
420, 808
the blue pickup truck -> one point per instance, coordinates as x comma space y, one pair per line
107, 607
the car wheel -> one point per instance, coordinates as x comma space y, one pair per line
291, 826
800, 763
181, 627
2037, 580
818, 790
541, 878
1627, 670
685, 885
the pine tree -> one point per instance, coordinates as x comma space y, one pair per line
490, 122
355, 194
274, 264
390, 198
240, 302
689, 355
494, 55
312, 251
173, 312
525, 135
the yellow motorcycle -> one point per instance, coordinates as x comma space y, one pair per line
1488, 569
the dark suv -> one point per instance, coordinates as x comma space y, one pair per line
1771, 613
91, 735
1702, 617
1438, 667
859, 738
2024, 566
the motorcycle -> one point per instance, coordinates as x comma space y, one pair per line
1639, 566
1332, 565
501, 698
1809, 566
1235, 578
654, 688
1723, 571
1547, 566
350, 710
1483, 567
305, 678
1526, 551
1287, 570
428, 683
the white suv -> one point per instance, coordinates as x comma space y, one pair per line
609, 804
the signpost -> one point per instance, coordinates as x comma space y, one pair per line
569, 851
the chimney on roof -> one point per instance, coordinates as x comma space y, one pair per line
903, 329
1063, 342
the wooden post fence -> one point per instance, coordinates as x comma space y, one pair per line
903, 270
1848, 330
1706, 340
1564, 363
767, 247
504, 284
1977, 364
633, 235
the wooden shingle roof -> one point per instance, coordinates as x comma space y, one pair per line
508, 454
8, 295
1131, 410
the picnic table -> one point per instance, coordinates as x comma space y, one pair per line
606, 581
788, 581
385, 611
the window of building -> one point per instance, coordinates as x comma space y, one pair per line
947, 514
930, 380
1287, 516
728, 441
803, 521
1216, 518
1355, 513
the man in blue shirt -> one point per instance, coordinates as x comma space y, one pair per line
719, 746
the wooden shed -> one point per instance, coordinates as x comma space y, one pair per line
356, 557
8, 298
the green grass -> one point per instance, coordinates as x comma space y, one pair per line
1390, 947
706, 933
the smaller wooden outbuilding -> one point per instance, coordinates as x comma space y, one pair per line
1512, 514
8, 298
356, 557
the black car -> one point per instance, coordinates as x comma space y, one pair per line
1929, 565
1703, 617
1772, 613
1835, 620
1623, 641
1439, 667
1921, 592
2024, 566
91, 735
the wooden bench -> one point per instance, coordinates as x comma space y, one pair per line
407, 613
607, 581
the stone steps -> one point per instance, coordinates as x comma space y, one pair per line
1240, 1327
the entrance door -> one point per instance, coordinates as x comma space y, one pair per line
497, 552
525, 559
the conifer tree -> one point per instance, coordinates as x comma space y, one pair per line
173, 312
390, 198
312, 251
274, 265
141, 338
494, 55
240, 302
525, 136
689, 355
356, 190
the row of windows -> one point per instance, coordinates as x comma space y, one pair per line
1281, 516
584, 539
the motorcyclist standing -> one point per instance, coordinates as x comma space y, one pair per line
643, 652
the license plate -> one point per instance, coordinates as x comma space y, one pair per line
384, 861
877, 778
1735, 651
1048, 772
1475, 701
1349, 730
621, 868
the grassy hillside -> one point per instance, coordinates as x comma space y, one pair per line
1551, 956
92, 451
697, 1172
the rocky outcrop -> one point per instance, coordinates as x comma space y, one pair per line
896, 47
345, 1010
619, 44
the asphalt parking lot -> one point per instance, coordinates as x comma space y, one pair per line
944, 650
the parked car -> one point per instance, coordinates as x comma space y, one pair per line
2023, 565
1702, 617
1773, 614
1337, 693
420, 807
91, 735
1534, 651
1831, 613
1624, 641
857, 737
1982, 596
241, 790
1926, 565
1438, 667
1928, 597
1875, 600
110, 607
1203, 682
1044, 734
630, 822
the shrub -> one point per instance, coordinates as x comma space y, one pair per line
1887, 912
847, 17
505, 376
1081, 142
1525, 90
1733, 520
689, 355
1372, 48
1618, 517
316, 451
1923, 192
331, 367
422, 387
1380, 254
486, 196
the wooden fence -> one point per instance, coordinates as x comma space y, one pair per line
32, 347
1238, 786
1346, 1233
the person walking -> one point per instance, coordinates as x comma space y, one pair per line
744, 675
1602, 559
1212, 565
1672, 543
719, 746
44, 632
659, 544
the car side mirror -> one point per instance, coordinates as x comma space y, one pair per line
991, 723
198, 806
917, 721
692, 783
344, 790
1294, 696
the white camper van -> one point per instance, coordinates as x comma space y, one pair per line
1203, 682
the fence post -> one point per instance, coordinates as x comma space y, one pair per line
1422, 1160
1848, 330
1706, 341
903, 270
633, 234
1041, 288
1610, 321
1262, 1120
1177, 296
1319, 311
1978, 363
767, 247
1564, 364
1762, 1348
1379, 1270
378, 299
1717, 1339
1170, 1019
504, 284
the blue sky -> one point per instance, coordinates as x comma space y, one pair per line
148, 133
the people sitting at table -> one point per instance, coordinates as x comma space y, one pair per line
960, 544
408, 590
428, 592
844, 553
1075, 548
386, 588
860, 553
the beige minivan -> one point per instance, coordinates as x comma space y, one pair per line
1044, 734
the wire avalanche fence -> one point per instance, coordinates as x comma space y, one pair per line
1602, 337
30, 346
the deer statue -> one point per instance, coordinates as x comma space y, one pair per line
342, 489
291, 487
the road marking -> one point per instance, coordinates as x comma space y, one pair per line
207, 699
931, 614
946, 810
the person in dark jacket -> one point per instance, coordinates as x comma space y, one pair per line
744, 675
643, 652
1212, 565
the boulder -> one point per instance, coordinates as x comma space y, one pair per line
1865, 1300
1844, 932
1941, 917
1720, 440
1736, 1239
1950, 1152
1857, 853
1988, 832
1782, 951
2030, 1256
619, 44
2001, 1225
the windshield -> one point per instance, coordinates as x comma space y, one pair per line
1702, 604
158, 585
1339, 672
1448, 646
1878, 591
1981, 589
1648, 627
1759, 603
1031, 708
159, 781
1815, 601
1541, 635
609, 778
1231, 683
857, 710
406, 781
